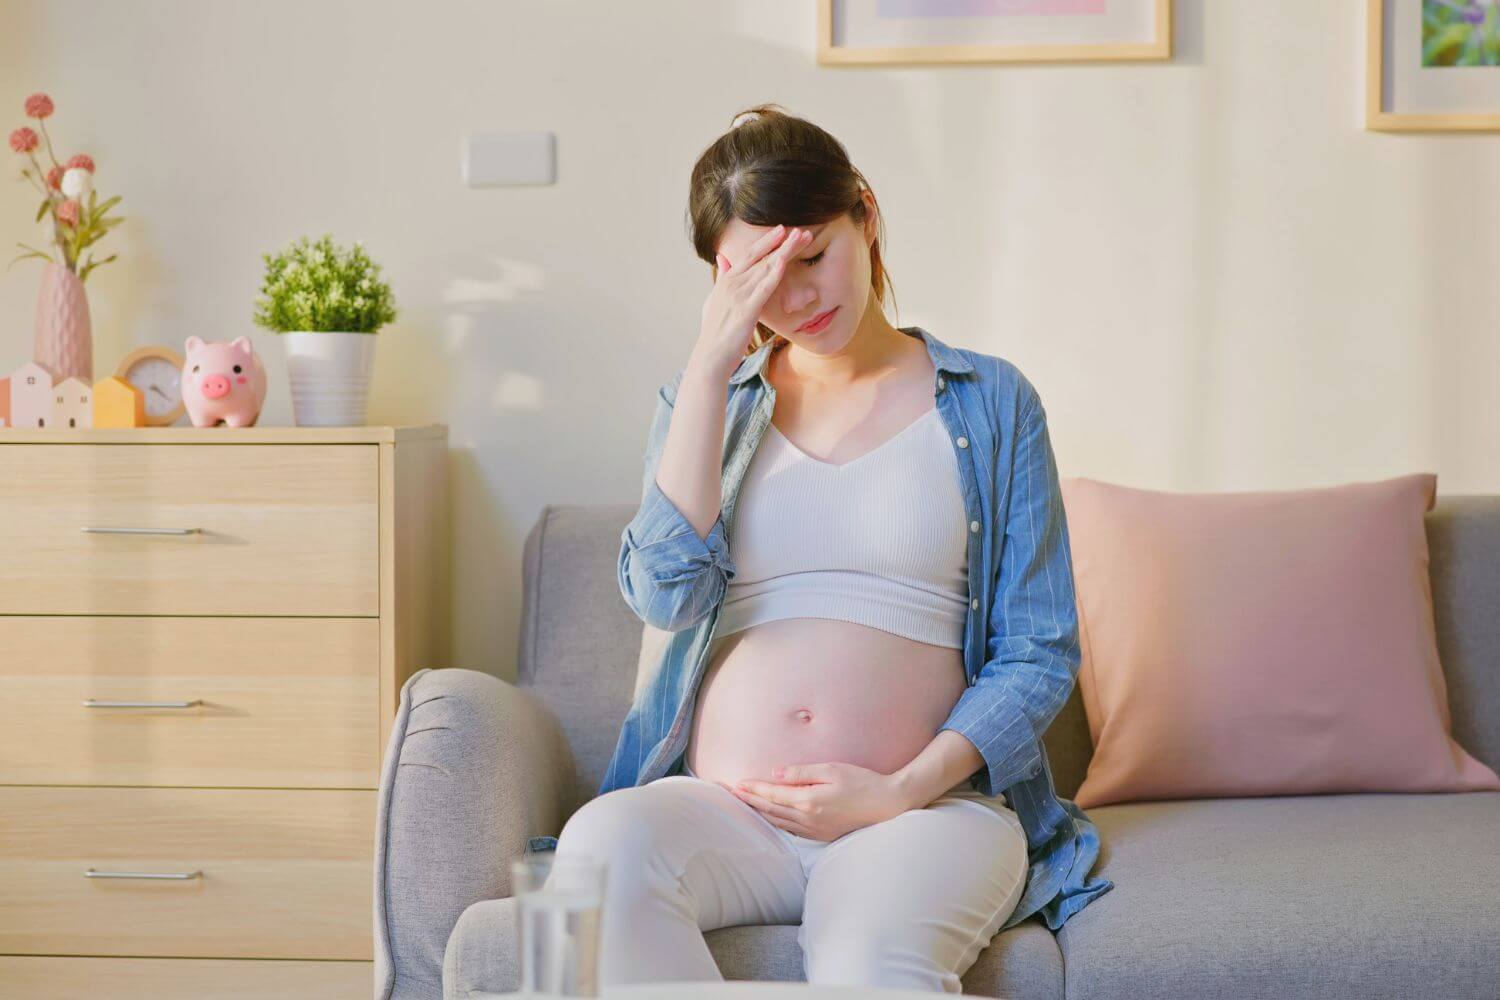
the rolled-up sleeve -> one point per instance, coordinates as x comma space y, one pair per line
1031, 649
670, 577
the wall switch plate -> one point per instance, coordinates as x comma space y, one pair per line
504, 159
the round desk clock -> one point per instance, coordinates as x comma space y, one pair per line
157, 372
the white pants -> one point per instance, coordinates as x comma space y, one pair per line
909, 902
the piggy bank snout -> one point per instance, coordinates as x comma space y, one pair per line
215, 386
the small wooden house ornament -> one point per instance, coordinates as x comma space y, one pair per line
31, 397
117, 403
72, 403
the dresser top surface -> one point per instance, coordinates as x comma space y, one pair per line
372, 434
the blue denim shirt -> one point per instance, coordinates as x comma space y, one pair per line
1020, 648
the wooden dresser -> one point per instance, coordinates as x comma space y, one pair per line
203, 634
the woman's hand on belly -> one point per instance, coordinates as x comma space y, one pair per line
825, 801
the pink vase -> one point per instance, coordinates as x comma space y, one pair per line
64, 334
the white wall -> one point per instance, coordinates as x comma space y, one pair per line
1215, 277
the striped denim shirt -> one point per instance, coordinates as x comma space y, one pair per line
1020, 647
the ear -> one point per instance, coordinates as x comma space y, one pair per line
242, 344
194, 343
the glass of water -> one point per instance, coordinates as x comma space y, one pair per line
559, 902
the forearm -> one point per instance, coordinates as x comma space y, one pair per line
943, 763
690, 470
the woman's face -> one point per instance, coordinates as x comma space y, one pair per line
831, 273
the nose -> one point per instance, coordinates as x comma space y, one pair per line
216, 387
795, 302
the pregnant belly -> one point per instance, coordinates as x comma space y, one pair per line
810, 690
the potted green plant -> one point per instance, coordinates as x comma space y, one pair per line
327, 302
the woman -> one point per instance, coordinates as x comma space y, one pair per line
854, 534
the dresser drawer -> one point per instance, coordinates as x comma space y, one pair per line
274, 873
267, 529
272, 702
25, 977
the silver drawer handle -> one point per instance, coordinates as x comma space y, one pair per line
143, 531
92, 873
100, 703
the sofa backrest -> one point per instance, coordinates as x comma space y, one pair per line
579, 642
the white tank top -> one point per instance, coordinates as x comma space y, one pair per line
881, 540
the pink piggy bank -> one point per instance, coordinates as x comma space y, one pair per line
222, 381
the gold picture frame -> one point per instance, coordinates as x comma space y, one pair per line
1158, 47
1378, 119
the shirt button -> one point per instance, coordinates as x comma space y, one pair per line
941, 383
963, 442
973, 525
974, 604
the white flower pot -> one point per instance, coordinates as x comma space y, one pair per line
330, 376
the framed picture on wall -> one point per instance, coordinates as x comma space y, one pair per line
1432, 66
914, 32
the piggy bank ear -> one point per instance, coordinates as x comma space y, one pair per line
194, 343
242, 344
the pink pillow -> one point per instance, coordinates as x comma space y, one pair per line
1265, 643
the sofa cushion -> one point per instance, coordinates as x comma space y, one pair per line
1023, 963
1369, 895
1261, 643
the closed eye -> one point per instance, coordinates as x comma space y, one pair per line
814, 259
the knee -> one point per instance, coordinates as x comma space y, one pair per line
624, 829
625, 820
877, 960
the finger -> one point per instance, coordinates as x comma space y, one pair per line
791, 827
795, 243
752, 253
791, 796
785, 244
775, 264
755, 251
769, 279
771, 808
801, 774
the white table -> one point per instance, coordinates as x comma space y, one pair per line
736, 989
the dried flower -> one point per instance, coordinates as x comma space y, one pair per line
77, 182
38, 106
23, 140
79, 218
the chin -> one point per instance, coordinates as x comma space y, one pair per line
819, 345
827, 340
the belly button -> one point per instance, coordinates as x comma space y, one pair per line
804, 715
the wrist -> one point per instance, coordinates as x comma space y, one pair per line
908, 788
707, 372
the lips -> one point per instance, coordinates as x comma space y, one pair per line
818, 322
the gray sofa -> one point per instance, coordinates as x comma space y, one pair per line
1363, 896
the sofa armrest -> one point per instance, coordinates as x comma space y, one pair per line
483, 956
475, 769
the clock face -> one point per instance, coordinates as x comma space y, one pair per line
157, 373
160, 381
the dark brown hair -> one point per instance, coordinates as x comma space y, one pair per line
771, 169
